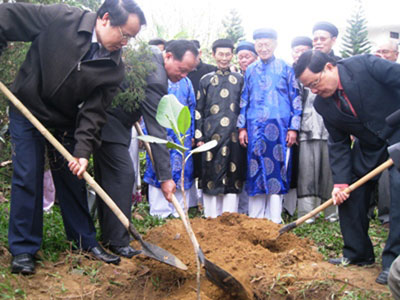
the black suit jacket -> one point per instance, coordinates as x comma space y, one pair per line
372, 85
119, 123
59, 89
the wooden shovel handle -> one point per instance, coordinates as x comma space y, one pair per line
146, 144
188, 227
348, 190
64, 152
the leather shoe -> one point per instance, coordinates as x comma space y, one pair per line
383, 276
23, 264
125, 251
345, 261
99, 253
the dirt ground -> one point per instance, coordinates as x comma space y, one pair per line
267, 267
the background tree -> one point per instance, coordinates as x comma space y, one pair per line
233, 26
355, 40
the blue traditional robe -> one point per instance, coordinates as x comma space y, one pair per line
269, 107
183, 90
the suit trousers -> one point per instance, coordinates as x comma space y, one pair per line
354, 222
26, 215
114, 172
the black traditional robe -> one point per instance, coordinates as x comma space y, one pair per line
223, 167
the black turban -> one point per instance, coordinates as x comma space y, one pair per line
222, 43
303, 41
265, 33
326, 26
244, 45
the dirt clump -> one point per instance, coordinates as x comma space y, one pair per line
270, 267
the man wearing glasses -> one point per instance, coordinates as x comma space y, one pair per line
355, 96
388, 50
68, 79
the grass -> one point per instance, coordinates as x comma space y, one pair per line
328, 238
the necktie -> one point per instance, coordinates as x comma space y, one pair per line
93, 49
344, 105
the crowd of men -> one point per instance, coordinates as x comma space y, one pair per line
333, 110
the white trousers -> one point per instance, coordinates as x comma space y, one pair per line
160, 207
214, 206
266, 206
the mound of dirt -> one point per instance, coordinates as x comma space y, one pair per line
249, 249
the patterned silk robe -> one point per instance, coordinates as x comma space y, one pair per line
218, 99
183, 90
270, 106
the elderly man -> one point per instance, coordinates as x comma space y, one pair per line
314, 175
354, 98
113, 165
324, 38
268, 123
246, 55
68, 79
388, 50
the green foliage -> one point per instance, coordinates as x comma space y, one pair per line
138, 65
148, 221
355, 40
233, 26
168, 112
54, 238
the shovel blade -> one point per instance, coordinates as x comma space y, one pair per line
226, 281
161, 255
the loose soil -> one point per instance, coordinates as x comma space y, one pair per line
287, 267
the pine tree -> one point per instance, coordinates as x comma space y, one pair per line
356, 40
233, 26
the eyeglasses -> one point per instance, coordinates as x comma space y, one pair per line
385, 51
315, 83
124, 37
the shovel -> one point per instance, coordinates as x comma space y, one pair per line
148, 249
215, 274
329, 202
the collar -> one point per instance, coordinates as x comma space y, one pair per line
88, 22
272, 58
223, 72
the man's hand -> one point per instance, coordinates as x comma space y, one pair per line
291, 138
168, 188
243, 137
339, 195
78, 166
201, 143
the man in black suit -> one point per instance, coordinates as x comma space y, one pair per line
113, 165
355, 96
68, 79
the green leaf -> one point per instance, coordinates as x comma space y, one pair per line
180, 148
207, 146
184, 120
152, 139
168, 112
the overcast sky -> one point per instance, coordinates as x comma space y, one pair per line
290, 18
